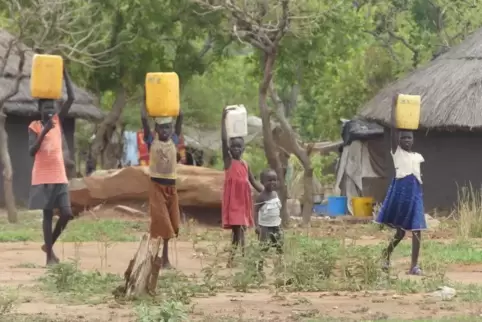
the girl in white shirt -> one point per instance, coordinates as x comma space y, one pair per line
402, 208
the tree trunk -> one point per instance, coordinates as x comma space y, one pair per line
106, 129
301, 152
307, 195
143, 270
7, 172
270, 148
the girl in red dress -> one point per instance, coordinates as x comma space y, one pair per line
237, 210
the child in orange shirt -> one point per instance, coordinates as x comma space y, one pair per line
50, 185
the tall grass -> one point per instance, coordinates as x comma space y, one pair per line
469, 212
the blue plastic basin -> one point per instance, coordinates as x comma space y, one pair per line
337, 206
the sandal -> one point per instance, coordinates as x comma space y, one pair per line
415, 271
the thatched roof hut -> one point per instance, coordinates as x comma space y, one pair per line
22, 104
451, 89
450, 135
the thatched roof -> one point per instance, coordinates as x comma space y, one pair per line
451, 89
23, 104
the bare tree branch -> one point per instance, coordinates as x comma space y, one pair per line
249, 25
70, 28
296, 146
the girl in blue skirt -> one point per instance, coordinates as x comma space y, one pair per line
402, 208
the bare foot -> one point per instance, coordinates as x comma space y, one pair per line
54, 257
52, 261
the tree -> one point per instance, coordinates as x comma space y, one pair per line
67, 27
263, 24
167, 37
48, 26
14, 48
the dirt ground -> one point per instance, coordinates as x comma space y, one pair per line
17, 271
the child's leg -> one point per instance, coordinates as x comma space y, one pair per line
235, 239
264, 240
399, 235
64, 218
166, 220
277, 240
242, 240
165, 263
48, 215
416, 241
61, 200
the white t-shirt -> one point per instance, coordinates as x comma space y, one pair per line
407, 163
269, 214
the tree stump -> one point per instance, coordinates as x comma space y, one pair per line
143, 270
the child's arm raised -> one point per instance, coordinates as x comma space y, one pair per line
145, 123
256, 185
260, 199
394, 135
224, 141
70, 95
178, 126
68, 162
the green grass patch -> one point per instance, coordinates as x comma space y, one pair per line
68, 282
114, 230
80, 229
455, 252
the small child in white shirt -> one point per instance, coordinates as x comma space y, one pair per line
268, 214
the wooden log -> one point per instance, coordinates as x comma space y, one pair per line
143, 270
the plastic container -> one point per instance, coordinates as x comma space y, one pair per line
337, 206
407, 112
236, 121
362, 206
46, 76
320, 209
162, 94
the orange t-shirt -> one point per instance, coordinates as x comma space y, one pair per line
48, 166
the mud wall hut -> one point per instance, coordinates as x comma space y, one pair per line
22, 109
450, 134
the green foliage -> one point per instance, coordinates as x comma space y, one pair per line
168, 311
350, 53
226, 83
67, 278
254, 156
336, 57
320, 164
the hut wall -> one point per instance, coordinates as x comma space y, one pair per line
452, 160
17, 129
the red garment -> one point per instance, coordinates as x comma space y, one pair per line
181, 149
237, 202
142, 149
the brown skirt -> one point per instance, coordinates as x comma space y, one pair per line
164, 210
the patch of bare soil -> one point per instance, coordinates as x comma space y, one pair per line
266, 306
22, 265
17, 270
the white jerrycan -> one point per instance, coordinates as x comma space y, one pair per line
236, 121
